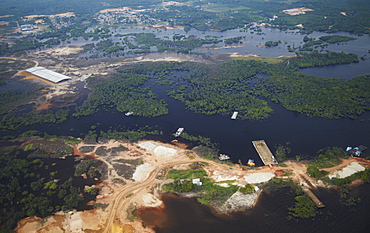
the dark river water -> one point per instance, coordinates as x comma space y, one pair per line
304, 135
183, 215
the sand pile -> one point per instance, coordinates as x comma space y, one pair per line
158, 150
255, 178
142, 171
352, 168
150, 200
162, 151
147, 145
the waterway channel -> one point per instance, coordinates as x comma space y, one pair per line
303, 134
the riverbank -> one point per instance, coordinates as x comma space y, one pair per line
134, 174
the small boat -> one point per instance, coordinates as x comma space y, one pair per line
223, 157
179, 131
128, 113
355, 151
251, 163
233, 117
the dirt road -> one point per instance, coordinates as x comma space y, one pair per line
124, 198
21, 59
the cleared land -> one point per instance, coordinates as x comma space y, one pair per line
121, 198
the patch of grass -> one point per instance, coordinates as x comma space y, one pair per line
186, 174
28, 147
226, 182
287, 173
248, 189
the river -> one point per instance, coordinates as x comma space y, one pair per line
304, 135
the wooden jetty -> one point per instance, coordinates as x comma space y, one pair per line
264, 152
318, 203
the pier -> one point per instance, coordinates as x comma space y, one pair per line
264, 152
309, 193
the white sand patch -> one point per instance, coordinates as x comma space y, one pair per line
148, 145
225, 185
352, 168
142, 171
255, 178
162, 151
74, 223
150, 200
218, 176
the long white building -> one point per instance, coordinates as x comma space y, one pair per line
47, 74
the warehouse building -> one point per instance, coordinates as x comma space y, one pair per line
48, 75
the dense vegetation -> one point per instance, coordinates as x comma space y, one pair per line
14, 98
327, 16
33, 184
227, 87
224, 90
123, 93
129, 135
13, 121
209, 192
304, 207
314, 96
322, 42
205, 20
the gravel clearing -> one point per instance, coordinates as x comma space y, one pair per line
352, 168
256, 178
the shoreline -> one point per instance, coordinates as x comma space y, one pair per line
145, 191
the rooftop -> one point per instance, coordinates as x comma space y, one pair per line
47, 74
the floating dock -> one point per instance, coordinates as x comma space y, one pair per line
264, 152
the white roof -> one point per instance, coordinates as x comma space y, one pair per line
47, 74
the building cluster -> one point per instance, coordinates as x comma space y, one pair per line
123, 15
28, 27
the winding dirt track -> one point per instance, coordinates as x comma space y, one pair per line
121, 202
21, 59
124, 198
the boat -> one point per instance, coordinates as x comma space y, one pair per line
251, 163
355, 151
233, 117
179, 131
223, 157
128, 113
